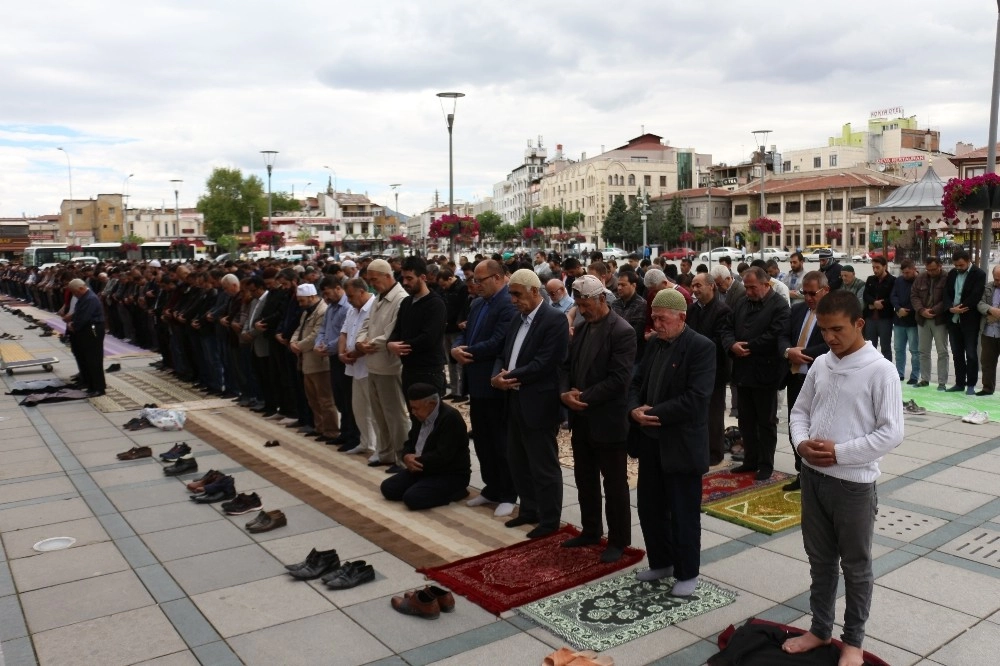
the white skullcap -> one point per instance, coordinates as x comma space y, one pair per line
306, 290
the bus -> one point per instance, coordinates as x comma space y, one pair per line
39, 255
166, 251
104, 251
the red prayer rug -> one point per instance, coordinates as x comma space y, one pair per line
717, 485
527, 571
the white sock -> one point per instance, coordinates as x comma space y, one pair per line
684, 588
649, 575
478, 500
504, 509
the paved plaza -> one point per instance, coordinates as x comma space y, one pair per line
155, 579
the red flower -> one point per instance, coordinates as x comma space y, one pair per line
957, 190
765, 225
448, 225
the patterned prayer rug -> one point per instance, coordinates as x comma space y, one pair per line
516, 575
614, 611
129, 390
766, 510
717, 485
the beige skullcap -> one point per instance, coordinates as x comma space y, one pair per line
670, 298
380, 266
526, 278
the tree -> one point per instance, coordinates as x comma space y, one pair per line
615, 222
489, 222
283, 202
228, 201
227, 243
673, 223
506, 233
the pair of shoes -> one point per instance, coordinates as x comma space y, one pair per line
350, 574
179, 449
183, 465
912, 407
220, 490
976, 417
984, 392
243, 503
135, 453
317, 564
427, 603
114, 367
795, 484
311, 559
913, 381
395, 469
198, 485
923, 384
271, 443
522, 519
743, 469
267, 521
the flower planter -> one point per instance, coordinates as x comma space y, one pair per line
977, 201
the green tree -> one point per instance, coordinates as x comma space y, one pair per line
506, 233
227, 243
489, 222
673, 223
615, 222
283, 202
228, 201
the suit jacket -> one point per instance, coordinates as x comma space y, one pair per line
876, 290
972, 293
607, 373
310, 323
929, 292
542, 352
681, 403
761, 325
985, 303
485, 342
737, 292
815, 344
446, 450
712, 321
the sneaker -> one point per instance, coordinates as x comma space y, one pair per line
912, 407
912, 381
244, 503
977, 418
179, 449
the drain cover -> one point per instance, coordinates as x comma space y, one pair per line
904, 525
55, 543
979, 545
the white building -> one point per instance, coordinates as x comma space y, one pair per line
162, 224
512, 196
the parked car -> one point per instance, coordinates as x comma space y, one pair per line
717, 253
775, 253
877, 252
678, 253
613, 253
814, 255
863, 258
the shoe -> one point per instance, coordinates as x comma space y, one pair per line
764, 474
271, 520
970, 390
522, 519
923, 384
243, 504
267, 414
135, 453
275, 416
542, 531
580, 541
942, 387
323, 564
419, 603
271, 443
982, 393
743, 469
395, 469
458, 399
179, 449
377, 463
957, 388
95, 394
181, 466
612, 554
306, 430
739, 456
912, 407
445, 599
976, 417
260, 408
311, 559
350, 574
912, 381
220, 491
796, 484
346, 447
198, 486
114, 367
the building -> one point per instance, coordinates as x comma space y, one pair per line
646, 164
14, 236
512, 196
163, 224
969, 162
704, 208
85, 221
44, 228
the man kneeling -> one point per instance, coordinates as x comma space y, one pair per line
436, 454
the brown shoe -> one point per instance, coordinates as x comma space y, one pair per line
135, 453
445, 599
419, 603
272, 520
198, 485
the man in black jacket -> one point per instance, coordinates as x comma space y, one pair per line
962, 292
435, 455
878, 313
709, 315
418, 337
456, 300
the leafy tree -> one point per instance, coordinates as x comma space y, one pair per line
303, 235
489, 222
283, 202
134, 238
227, 243
506, 233
673, 224
615, 222
228, 202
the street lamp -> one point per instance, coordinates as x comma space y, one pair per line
177, 208
760, 136
269, 157
645, 211
125, 205
991, 151
334, 178
395, 188
69, 170
450, 118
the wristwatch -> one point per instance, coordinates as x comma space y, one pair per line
786, 352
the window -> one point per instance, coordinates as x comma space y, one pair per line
972, 172
857, 202
79, 211
639, 158
814, 206
610, 180
116, 227
611, 199
740, 209
834, 204
793, 206
111, 210
774, 208
647, 181
817, 162
833, 160
663, 181
631, 179
786, 165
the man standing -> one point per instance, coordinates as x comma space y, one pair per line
758, 322
418, 337
87, 337
731, 289
456, 300
477, 348
847, 417
356, 364
337, 307
851, 283
385, 392
669, 400
709, 316
793, 278
989, 308
904, 326
313, 364
594, 383
962, 293
557, 294
527, 369
927, 298
831, 268
878, 311
631, 307
801, 343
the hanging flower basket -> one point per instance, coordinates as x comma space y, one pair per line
400, 239
765, 225
686, 237
450, 225
970, 195
529, 232
74, 248
833, 234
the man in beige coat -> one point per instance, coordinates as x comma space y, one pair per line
314, 366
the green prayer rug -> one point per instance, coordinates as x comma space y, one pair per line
620, 609
955, 404
768, 510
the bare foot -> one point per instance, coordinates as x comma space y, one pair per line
804, 643
851, 656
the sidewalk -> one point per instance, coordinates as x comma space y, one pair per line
153, 578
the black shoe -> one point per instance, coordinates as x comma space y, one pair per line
311, 559
222, 490
957, 388
378, 463
522, 519
345, 447
580, 541
981, 393
743, 469
395, 469
923, 384
114, 367
181, 466
324, 564
179, 449
95, 394
243, 504
612, 554
796, 484
764, 474
912, 382
542, 531
460, 399
350, 574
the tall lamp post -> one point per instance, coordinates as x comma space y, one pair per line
760, 136
334, 178
991, 152
395, 190
269, 157
69, 170
125, 205
177, 208
450, 118
645, 211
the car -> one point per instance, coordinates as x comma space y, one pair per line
863, 258
678, 253
717, 253
877, 252
814, 255
775, 253
613, 253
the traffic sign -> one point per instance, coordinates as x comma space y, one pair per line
876, 237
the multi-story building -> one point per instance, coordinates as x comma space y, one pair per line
43, 229
84, 221
14, 236
163, 224
646, 164
968, 161
703, 207
512, 196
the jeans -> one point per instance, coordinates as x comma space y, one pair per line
937, 334
903, 337
838, 521
879, 331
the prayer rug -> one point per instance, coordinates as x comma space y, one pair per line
566, 458
717, 485
953, 404
759, 642
129, 390
113, 347
620, 609
516, 575
766, 510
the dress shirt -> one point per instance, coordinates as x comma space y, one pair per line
352, 324
993, 330
522, 333
426, 428
333, 323
959, 285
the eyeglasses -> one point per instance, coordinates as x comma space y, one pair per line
478, 281
554, 293
810, 294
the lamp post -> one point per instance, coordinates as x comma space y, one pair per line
177, 208
709, 216
125, 205
334, 173
269, 157
395, 190
760, 136
450, 118
991, 152
69, 170
644, 215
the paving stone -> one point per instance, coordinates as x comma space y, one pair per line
81, 600
195, 539
264, 603
62, 566
86, 531
169, 516
293, 549
946, 585
944, 497
529, 650
328, 638
753, 571
224, 568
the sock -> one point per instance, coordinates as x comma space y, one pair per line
478, 500
650, 575
684, 588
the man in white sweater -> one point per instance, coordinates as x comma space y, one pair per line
848, 415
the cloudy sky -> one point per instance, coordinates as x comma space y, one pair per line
172, 89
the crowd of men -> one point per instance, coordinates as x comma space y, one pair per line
634, 359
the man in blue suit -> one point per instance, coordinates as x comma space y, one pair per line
528, 370
477, 348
